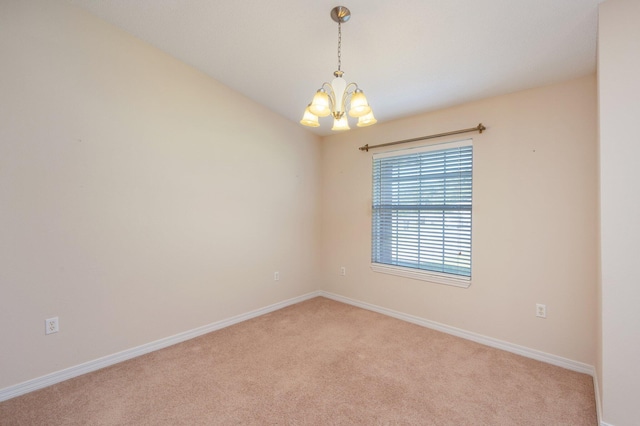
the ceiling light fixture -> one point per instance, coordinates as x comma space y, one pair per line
333, 98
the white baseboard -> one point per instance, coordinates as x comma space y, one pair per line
479, 338
87, 367
485, 340
596, 390
71, 372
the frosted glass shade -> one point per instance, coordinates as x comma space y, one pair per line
320, 104
340, 123
367, 120
359, 104
309, 119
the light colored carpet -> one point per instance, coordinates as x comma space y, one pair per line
319, 362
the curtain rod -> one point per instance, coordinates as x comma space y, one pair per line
478, 128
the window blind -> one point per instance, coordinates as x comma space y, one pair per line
422, 204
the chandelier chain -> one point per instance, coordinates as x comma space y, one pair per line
339, 45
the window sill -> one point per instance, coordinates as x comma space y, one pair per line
417, 274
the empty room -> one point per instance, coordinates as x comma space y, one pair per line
417, 213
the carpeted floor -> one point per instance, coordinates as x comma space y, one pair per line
319, 362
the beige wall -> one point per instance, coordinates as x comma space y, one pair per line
139, 198
534, 223
619, 93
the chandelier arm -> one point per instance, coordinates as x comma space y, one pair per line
330, 93
346, 98
326, 85
354, 85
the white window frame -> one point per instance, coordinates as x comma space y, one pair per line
415, 273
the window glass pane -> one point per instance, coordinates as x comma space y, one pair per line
422, 209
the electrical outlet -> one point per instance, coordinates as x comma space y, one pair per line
51, 325
276, 276
541, 310
343, 271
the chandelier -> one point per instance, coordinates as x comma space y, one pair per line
333, 98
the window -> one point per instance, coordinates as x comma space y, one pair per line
421, 225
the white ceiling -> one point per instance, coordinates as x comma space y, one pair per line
409, 56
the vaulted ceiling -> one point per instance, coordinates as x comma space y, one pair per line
408, 56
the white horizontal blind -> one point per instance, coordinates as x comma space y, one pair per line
422, 208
